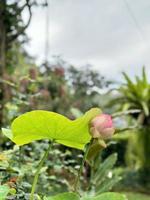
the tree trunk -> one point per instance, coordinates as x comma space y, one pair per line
2, 56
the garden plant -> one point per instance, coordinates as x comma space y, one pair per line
88, 133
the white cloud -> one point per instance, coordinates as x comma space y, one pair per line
100, 32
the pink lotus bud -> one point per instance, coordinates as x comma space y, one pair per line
102, 127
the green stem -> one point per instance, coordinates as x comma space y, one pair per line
133, 111
38, 171
77, 180
20, 156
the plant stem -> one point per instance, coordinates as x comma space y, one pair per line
127, 129
133, 111
38, 171
20, 156
77, 180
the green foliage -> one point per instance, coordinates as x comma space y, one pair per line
43, 90
103, 178
38, 125
138, 150
95, 149
73, 196
108, 196
57, 175
17, 168
63, 196
136, 94
32, 89
137, 196
4, 190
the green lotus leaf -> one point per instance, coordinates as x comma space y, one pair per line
107, 196
74, 196
64, 196
40, 124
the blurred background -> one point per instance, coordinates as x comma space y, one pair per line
105, 34
68, 56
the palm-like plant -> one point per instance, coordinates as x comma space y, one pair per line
136, 95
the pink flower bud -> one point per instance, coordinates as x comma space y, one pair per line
102, 127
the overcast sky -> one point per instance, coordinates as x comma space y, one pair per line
112, 35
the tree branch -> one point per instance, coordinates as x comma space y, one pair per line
21, 31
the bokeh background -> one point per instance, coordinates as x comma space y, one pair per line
106, 34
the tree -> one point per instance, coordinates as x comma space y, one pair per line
12, 26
